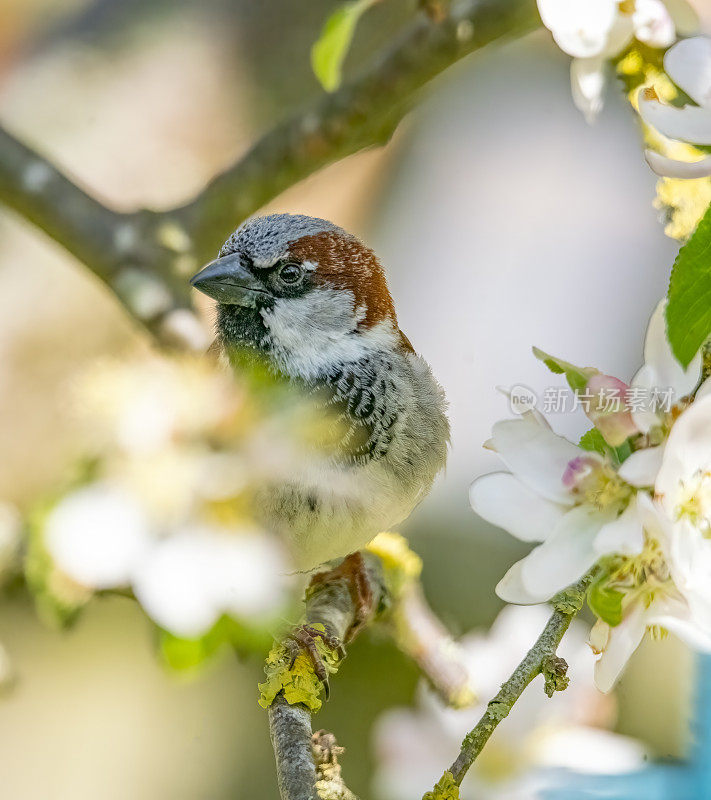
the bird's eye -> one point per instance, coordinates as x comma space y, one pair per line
290, 273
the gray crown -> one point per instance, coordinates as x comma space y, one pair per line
265, 239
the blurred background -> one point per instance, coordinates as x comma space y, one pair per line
503, 220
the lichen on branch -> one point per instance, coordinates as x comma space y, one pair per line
292, 690
296, 677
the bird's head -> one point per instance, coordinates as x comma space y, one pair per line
301, 289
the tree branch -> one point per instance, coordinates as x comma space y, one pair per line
331, 604
362, 113
541, 658
145, 257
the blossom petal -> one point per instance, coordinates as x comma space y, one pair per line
661, 370
535, 455
676, 616
645, 379
687, 452
248, 574
688, 124
655, 522
623, 640
642, 467
684, 16
688, 64
97, 535
653, 24
512, 589
587, 83
580, 28
566, 555
173, 587
192, 577
689, 556
620, 35
623, 535
670, 168
504, 501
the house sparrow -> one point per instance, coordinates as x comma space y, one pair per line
313, 301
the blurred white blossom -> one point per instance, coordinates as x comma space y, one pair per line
412, 745
189, 579
98, 535
179, 450
595, 31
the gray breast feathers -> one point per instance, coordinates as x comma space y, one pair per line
393, 410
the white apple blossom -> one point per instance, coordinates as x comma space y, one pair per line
594, 31
683, 491
189, 579
662, 575
179, 453
557, 494
185, 579
412, 745
688, 64
574, 502
643, 524
644, 576
97, 535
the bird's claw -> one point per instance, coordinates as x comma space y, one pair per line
302, 639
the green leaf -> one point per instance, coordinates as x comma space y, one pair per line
594, 441
689, 307
329, 51
605, 602
623, 451
189, 656
577, 377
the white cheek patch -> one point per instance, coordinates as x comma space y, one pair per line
312, 333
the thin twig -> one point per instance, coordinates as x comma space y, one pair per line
420, 634
541, 658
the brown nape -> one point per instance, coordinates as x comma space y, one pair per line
345, 263
405, 342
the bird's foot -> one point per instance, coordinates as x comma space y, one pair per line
302, 639
353, 571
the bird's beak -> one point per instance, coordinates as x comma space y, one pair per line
227, 281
